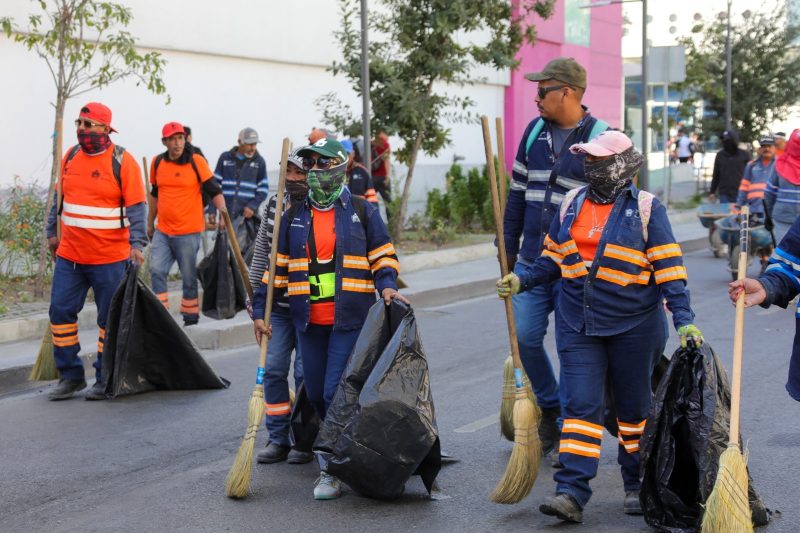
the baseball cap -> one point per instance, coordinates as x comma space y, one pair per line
326, 146
563, 69
767, 140
248, 136
295, 159
97, 112
347, 144
172, 128
607, 143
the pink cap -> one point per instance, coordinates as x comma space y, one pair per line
607, 143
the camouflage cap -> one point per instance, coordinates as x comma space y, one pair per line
563, 69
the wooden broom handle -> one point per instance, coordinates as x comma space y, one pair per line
501, 244
501, 164
237, 252
60, 177
738, 332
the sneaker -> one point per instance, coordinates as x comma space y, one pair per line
327, 487
97, 392
298, 457
549, 433
65, 389
273, 453
563, 506
632, 505
190, 321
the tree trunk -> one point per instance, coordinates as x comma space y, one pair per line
400, 217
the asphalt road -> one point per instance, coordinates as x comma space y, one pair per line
158, 461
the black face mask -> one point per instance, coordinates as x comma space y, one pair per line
298, 190
607, 178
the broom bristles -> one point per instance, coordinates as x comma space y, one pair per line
507, 401
237, 485
523, 465
44, 369
727, 509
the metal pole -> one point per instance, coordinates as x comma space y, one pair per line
665, 130
365, 114
644, 173
728, 71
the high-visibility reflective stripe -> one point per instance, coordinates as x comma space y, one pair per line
357, 285
99, 347
626, 254
102, 332
541, 176
670, 274
65, 341
577, 447
572, 424
265, 277
277, 409
386, 262
518, 186
557, 258
281, 281
631, 446
623, 278
64, 328
550, 243
299, 287
519, 167
189, 306
87, 210
386, 249
631, 429
573, 271
568, 247
663, 252
298, 265
282, 259
568, 183
355, 261
93, 223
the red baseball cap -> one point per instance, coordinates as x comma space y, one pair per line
172, 128
607, 143
97, 112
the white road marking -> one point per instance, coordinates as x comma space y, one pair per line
485, 422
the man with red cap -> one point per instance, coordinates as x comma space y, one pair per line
179, 178
102, 227
783, 190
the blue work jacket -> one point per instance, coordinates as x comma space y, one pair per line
244, 184
628, 277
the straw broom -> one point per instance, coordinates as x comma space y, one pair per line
727, 509
523, 465
237, 485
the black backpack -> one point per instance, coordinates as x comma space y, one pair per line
160, 157
116, 169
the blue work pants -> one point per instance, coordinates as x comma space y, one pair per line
276, 383
166, 250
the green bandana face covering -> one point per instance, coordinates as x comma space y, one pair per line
325, 186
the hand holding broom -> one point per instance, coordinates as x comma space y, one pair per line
523, 466
237, 485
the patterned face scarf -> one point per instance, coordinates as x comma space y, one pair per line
326, 185
608, 177
93, 142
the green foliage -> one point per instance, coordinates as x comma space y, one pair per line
765, 75
466, 205
21, 224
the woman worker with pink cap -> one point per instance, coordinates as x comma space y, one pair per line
613, 248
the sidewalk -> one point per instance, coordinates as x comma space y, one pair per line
433, 278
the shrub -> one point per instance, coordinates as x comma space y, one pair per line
22, 222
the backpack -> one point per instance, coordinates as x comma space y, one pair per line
599, 127
116, 169
644, 199
160, 157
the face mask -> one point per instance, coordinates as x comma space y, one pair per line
608, 177
298, 190
93, 142
325, 186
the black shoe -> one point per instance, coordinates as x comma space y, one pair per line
190, 321
97, 392
297, 457
631, 505
273, 453
549, 434
65, 389
563, 506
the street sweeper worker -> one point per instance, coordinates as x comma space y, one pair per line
757, 173
103, 210
282, 333
178, 179
334, 253
783, 190
613, 249
778, 285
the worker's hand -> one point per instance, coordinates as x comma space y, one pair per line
151, 229
508, 286
221, 223
211, 219
754, 292
52, 243
712, 197
690, 336
248, 212
388, 294
137, 256
261, 328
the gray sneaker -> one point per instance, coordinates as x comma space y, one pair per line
562, 506
66, 389
632, 505
327, 487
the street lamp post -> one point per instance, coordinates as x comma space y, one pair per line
365, 114
728, 70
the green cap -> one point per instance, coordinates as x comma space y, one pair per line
563, 69
328, 147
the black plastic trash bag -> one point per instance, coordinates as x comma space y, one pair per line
223, 288
305, 422
381, 427
145, 349
685, 434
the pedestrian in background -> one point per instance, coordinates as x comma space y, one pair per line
757, 173
382, 167
189, 144
358, 179
613, 248
684, 147
728, 169
783, 189
282, 332
780, 143
178, 180
103, 210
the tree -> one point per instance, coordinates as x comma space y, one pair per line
765, 75
84, 49
422, 47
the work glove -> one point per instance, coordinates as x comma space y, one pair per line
690, 334
508, 286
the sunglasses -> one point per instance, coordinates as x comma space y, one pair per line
85, 123
321, 162
542, 92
